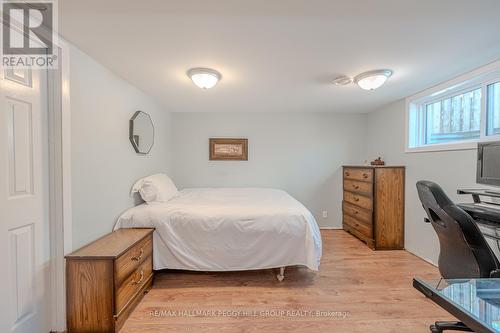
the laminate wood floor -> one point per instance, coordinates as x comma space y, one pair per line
356, 290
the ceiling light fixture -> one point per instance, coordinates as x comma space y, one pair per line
373, 79
205, 78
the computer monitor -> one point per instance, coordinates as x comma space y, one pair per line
488, 163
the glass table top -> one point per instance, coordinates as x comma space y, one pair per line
480, 298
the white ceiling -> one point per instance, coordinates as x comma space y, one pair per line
280, 55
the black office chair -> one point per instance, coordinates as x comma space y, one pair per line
464, 253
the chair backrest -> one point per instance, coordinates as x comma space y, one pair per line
464, 253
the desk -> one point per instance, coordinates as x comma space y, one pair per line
475, 302
483, 212
486, 215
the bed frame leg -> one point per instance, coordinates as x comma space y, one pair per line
281, 275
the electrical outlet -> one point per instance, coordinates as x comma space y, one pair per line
325, 214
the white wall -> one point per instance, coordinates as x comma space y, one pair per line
301, 153
450, 169
104, 164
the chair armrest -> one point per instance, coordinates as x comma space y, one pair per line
495, 274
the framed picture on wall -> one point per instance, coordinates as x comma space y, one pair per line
222, 149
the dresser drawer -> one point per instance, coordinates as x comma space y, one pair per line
133, 258
358, 187
358, 200
360, 174
358, 212
360, 226
129, 288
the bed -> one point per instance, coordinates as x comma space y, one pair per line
229, 229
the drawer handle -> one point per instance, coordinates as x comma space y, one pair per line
356, 199
139, 257
140, 280
365, 175
355, 187
347, 174
356, 212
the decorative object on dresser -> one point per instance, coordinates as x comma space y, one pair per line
107, 278
373, 206
377, 161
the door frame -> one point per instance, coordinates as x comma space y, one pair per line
60, 211
59, 148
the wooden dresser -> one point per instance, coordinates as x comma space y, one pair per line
373, 206
106, 279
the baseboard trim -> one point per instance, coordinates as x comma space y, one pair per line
422, 258
330, 228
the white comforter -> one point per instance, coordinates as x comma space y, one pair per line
229, 229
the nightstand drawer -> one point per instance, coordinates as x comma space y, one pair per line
133, 258
129, 288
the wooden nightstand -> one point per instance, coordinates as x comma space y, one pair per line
106, 279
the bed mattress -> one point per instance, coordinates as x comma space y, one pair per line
229, 229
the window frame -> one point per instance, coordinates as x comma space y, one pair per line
415, 108
489, 82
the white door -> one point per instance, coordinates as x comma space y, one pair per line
24, 227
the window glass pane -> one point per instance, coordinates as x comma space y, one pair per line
453, 119
493, 109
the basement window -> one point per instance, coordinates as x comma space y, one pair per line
455, 115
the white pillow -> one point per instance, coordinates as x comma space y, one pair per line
148, 191
155, 188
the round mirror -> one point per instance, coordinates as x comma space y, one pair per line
142, 132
